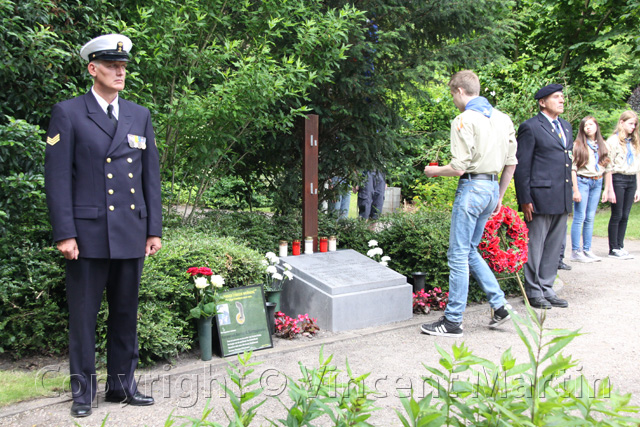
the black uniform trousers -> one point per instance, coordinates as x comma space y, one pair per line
86, 280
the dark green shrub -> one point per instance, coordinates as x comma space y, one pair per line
33, 308
22, 200
418, 242
352, 233
166, 291
262, 231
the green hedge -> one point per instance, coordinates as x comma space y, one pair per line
33, 310
166, 291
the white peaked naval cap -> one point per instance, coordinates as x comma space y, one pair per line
110, 47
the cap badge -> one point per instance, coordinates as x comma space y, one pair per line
119, 46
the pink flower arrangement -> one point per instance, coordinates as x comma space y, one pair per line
287, 327
434, 299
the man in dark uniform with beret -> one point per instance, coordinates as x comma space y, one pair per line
102, 179
543, 188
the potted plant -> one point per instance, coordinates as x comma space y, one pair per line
208, 289
274, 280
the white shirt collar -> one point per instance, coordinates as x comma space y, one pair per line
549, 118
104, 104
561, 135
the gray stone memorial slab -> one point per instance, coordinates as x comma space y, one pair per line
345, 290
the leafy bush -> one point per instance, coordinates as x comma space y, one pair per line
418, 242
466, 390
166, 296
469, 390
33, 308
22, 199
262, 231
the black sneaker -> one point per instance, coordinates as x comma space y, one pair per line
443, 328
500, 315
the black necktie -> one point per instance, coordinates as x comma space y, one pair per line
111, 116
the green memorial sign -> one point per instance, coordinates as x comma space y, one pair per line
242, 322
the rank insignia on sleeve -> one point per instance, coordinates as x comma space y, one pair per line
54, 140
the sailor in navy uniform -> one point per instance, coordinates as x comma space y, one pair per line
102, 179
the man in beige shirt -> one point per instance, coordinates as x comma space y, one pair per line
483, 144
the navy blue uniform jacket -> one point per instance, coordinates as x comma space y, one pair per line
101, 190
543, 174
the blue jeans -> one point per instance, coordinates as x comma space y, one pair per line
584, 212
474, 202
341, 206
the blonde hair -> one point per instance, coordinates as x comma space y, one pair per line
467, 81
622, 135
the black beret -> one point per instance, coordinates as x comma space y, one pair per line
548, 90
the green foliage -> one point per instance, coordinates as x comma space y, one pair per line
22, 199
436, 194
257, 230
33, 308
393, 52
418, 242
428, 128
218, 85
35, 57
467, 390
471, 390
319, 393
263, 231
234, 193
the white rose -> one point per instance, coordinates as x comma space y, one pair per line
217, 280
385, 258
273, 258
264, 262
272, 269
373, 252
383, 263
287, 266
373, 243
277, 276
201, 282
288, 274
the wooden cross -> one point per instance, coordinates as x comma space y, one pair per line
310, 179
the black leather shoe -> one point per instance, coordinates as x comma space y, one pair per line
540, 302
137, 399
563, 266
557, 302
79, 410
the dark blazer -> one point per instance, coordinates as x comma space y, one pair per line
543, 174
100, 189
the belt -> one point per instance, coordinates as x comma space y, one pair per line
590, 177
483, 176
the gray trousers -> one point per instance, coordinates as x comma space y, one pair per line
546, 234
371, 196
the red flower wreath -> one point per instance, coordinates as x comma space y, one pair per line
508, 228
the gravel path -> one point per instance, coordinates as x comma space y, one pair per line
603, 303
